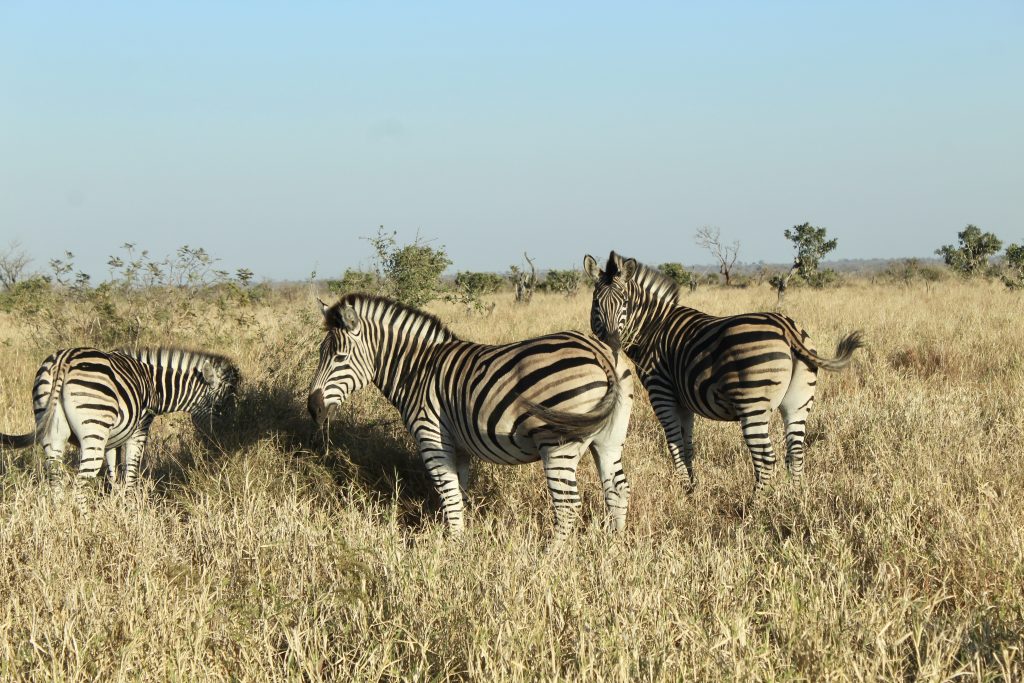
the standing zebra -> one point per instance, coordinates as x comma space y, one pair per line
106, 402
734, 368
545, 399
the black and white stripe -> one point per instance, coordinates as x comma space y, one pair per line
547, 399
736, 368
106, 401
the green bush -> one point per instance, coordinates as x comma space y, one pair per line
677, 272
478, 284
565, 282
26, 296
410, 273
972, 255
355, 281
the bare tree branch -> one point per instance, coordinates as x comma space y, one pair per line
13, 263
710, 238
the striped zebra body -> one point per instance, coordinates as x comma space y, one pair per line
105, 403
547, 399
735, 368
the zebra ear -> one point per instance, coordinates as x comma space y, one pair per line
323, 307
591, 268
349, 319
628, 268
208, 371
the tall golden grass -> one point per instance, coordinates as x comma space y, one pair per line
270, 554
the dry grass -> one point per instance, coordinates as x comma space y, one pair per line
270, 556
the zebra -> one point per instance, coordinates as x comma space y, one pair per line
106, 401
734, 368
547, 399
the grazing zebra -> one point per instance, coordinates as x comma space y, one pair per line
735, 368
106, 402
545, 399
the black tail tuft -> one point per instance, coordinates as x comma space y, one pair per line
17, 440
844, 352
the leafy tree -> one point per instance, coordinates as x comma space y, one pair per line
972, 256
677, 272
710, 238
410, 273
1014, 263
811, 244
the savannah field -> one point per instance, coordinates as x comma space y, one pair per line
267, 552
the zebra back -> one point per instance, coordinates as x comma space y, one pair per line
187, 381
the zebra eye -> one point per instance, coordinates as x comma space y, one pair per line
340, 357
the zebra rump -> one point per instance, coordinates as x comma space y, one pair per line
572, 426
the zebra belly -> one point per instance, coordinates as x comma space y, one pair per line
502, 451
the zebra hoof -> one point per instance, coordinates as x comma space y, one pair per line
616, 524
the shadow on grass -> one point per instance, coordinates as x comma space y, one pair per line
380, 459
377, 458
257, 414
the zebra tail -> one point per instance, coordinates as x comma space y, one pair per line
844, 353
574, 426
44, 420
17, 440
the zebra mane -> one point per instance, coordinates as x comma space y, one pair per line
354, 300
178, 358
657, 283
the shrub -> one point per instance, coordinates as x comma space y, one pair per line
566, 282
355, 281
972, 255
677, 272
410, 273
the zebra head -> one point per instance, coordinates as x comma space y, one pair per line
219, 381
344, 360
610, 314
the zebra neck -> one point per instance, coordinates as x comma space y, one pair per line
169, 400
406, 353
173, 373
646, 323
400, 377
647, 346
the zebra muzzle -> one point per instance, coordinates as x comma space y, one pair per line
317, 409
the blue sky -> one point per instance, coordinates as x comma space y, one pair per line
276, 134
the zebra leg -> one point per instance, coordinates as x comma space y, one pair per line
113, 455
560, 469
607, 451
94, 447
55, 440
440, 461
755, 432
462, 465
133, 457
794, 408
678, 425
613, 481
